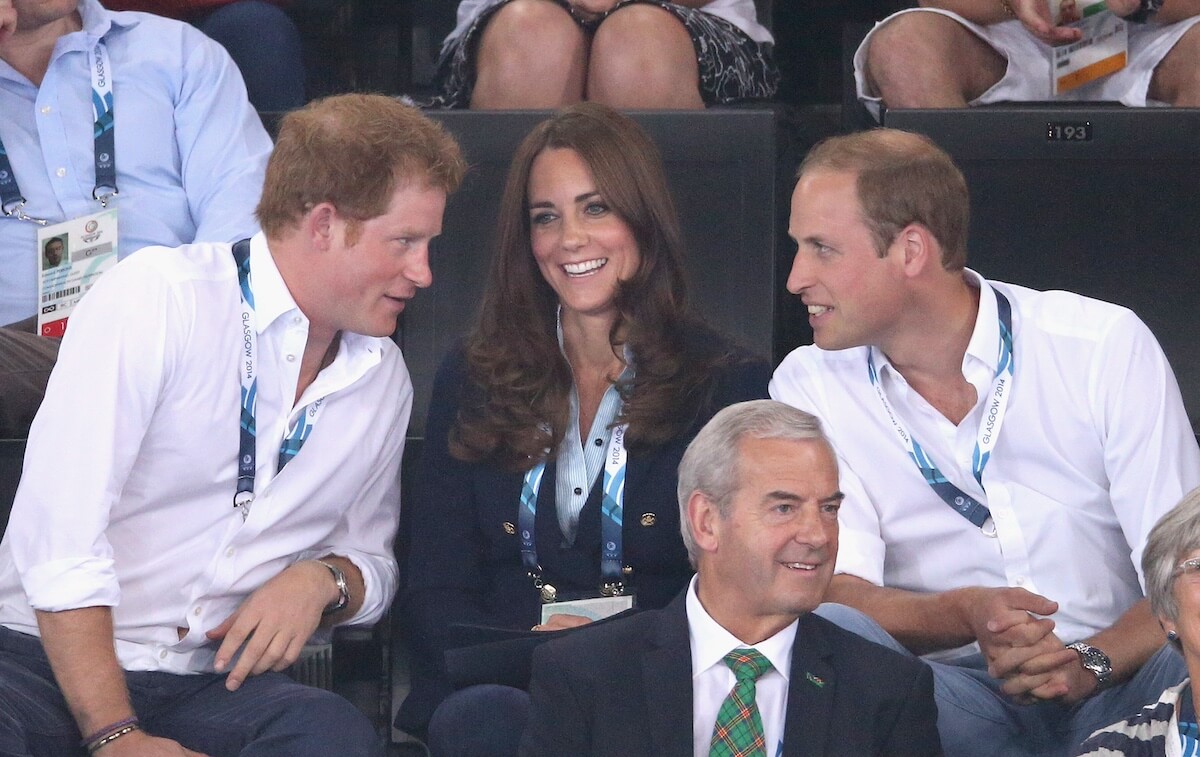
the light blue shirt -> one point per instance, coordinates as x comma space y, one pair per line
579, 463
191, 152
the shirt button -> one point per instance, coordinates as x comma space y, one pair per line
196, 611
598, 442
291, 358
230, 552
45, 108
162, 655
578, 491
297, 320
60, 172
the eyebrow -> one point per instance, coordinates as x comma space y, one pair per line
578, 198
792, 497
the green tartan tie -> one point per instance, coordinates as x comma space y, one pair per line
739, 729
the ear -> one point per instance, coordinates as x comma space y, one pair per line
705, 520
918, 249
1167, 625
320, 225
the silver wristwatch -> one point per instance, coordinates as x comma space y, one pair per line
343, 589
1094, 661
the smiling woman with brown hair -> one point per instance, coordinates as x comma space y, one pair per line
554, 433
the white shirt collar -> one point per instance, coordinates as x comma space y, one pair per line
356, 354
271, 295
984, 345
710, 641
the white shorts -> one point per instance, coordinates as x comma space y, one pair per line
1028, 74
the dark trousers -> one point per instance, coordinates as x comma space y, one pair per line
270, 715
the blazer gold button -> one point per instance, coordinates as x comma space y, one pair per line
509, 528
649, 519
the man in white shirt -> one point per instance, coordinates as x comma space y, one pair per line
737, 665
1003, 453
954, 53
161, 562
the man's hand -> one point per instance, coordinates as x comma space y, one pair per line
1034, 15
562, 621
1040, 671
142, 744
1004, 618
8, 20
275, 622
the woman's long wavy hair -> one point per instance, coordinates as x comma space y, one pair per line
516, 407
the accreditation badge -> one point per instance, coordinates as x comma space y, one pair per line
72, 256
1103, 50
595, 608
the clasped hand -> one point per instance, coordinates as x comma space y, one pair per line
1022, 650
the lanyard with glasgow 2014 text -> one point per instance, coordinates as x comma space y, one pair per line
989, 430
13, 203
611, 513
305, 422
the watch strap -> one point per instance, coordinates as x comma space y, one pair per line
339, 578
1094, 661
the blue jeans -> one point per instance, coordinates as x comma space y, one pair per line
269, 716
976, 719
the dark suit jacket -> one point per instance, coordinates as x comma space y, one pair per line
625, 689
465, 567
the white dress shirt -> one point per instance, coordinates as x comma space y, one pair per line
127, 494
1094, 449
712, 680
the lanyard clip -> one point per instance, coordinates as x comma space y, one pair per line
18, 210
242, 501
104, 197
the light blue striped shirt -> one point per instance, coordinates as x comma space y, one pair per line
578, 464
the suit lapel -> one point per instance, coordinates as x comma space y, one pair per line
667, 677
811, 691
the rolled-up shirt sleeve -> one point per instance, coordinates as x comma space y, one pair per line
86, 437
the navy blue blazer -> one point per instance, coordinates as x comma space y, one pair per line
625, 689
464, 565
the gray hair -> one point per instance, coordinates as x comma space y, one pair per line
1171, 539
710, 464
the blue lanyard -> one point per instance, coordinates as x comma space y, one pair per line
989, 431
307, 420
12, 202
611, 514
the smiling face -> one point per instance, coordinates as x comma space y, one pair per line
581, 246
374, 267
770, 558
853, 295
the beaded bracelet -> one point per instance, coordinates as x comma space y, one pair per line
110, 733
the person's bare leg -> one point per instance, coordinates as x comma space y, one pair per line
926, 60
1176, 80
531, 55
643, 57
